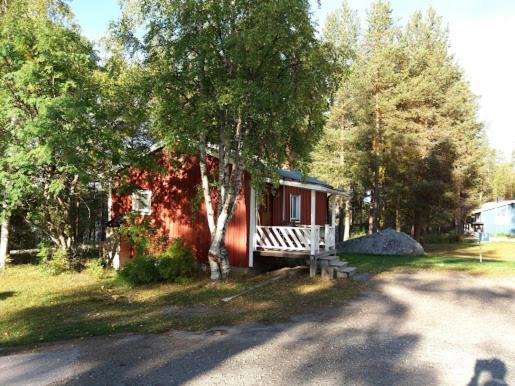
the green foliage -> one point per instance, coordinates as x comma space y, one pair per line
140, 270
55, 261
501, 179
139, 232
60, 123
439, 238
403, 131
176, 262
45, 252
221, 61
96, 267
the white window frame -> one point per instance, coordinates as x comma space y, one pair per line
297, 207
147, 196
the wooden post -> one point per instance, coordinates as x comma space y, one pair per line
326, 270
333, 211
312, 241
313, 207
252, 227
4, 241
326, 236
312, 266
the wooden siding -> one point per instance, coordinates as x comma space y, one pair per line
173, 213
282, 195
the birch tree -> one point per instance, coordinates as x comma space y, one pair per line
61, 136
242, 81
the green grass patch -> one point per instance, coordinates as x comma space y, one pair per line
378, 264
492, 250
39, 307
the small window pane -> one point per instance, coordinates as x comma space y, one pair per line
141, 201
294, 208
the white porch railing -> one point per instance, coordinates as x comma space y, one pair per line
329, 237
297, 239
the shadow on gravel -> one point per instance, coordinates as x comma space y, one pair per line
377, 353
472, 293
314, 347
6, 294
494, 367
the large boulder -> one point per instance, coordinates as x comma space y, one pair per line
386, 242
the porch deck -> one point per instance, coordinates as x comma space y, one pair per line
314, 244
303, 240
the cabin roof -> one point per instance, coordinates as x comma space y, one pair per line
493, 205
297, 176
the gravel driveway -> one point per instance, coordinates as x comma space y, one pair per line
424, 328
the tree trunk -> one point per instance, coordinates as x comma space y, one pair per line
4, 240
376, 148
370, 219
227, 191
397, 219
348, 217
416, 228
373, 220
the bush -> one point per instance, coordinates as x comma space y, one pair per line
139, 232
176, 262
55, 262
441, 238
96, 267
140, 270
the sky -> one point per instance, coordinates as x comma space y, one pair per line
482, 34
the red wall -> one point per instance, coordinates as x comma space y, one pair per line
321, 213
173, 214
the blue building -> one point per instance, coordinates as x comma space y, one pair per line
496, 217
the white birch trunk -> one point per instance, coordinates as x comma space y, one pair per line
4, 240
229, 185
348, 213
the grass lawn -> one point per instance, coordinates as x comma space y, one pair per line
37, 307
493, 250
498, 259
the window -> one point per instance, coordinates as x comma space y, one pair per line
294, 208
141, 201
501, 215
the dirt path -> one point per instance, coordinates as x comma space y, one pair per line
425, 328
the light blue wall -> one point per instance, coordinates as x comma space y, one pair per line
499, 220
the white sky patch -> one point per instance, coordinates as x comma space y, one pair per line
484, 48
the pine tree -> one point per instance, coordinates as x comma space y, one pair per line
410, 134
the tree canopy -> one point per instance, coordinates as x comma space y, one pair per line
60, 134
403, 129
245, 80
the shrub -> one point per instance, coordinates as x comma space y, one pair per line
442, 238
56, 262
96, 267
139, 232
176, 262
140, 270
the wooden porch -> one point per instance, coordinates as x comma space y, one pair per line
303, 240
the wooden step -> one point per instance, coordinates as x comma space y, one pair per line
349, 270
327, 258
323, 254
338, 263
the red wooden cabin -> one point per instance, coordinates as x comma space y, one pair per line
295, 218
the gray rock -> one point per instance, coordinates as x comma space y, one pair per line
386, 242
